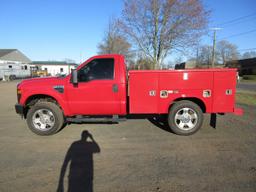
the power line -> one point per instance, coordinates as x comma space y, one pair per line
240, 21
249, 49
239, 34
237, 19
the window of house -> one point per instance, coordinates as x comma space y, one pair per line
45, 68
10, 66
97, 69
61, 70
26, 67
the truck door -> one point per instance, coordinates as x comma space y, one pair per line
97, 90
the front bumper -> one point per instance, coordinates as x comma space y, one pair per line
19, 109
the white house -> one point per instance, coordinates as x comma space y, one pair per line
55, 68
14, 64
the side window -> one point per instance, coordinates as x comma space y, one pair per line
97, 69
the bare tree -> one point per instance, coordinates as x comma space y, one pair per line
143, 63
114, 42
249, 54
226, 51
159, 26
204, 54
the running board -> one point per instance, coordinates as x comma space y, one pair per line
91, 119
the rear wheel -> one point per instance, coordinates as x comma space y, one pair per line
45, 118
185, 118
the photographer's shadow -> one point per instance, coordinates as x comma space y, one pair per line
80, 157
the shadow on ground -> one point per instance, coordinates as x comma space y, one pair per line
160, 122
80, 158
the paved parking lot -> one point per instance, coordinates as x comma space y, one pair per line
247, 86
132, 156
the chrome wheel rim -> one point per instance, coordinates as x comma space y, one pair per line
186, 119
43, 119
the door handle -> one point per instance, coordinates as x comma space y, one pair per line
115, 88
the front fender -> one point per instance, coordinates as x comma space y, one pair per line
59, 97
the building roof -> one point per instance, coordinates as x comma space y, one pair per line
52, 63
242, 62
4, 52
13, 55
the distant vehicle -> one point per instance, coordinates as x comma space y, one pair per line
35, 72
14, 71
100, 89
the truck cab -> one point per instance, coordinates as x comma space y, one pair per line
100, 88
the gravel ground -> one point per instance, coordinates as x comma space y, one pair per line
131, 156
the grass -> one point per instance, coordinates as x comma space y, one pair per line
248, 98
249, 78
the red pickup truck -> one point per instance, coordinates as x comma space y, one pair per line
100, 89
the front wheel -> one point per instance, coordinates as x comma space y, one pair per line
185, 118
45, 118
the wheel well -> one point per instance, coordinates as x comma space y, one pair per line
32, 100
197, 101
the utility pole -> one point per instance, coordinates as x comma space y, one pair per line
214, 45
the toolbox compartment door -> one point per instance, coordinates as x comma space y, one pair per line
143, 91
224, 91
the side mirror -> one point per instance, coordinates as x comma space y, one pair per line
74, 79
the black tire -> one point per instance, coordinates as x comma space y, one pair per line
12, 77
189, 124
52, 112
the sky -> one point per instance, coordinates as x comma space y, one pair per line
72, 29
234, 18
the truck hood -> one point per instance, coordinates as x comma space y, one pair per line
42, 81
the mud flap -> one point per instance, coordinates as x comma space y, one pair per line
213, 120
238, 111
